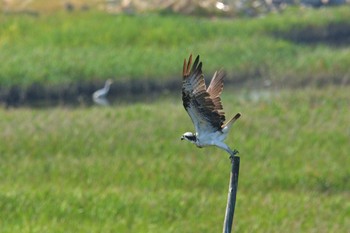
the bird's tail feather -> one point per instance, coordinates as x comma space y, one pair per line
228, 124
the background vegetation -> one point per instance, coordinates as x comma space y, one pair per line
93, 45
124, 168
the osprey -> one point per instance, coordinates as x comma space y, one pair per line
204, 107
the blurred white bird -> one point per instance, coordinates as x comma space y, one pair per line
99, 96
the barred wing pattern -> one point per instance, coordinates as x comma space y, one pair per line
203, 105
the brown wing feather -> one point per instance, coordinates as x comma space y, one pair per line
202, 108
215, 88
216, 84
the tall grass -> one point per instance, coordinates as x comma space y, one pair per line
124, 168
65, 47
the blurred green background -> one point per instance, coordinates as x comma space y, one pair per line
69, 165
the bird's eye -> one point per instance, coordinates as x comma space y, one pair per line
191, 138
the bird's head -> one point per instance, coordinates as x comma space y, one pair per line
108, 82
189, 137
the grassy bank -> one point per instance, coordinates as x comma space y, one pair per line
68, 48
124, 169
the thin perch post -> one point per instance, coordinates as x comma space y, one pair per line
232, 192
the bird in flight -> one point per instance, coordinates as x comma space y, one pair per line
99, 96
204, 107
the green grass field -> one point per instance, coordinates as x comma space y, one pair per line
67, 48
124, 168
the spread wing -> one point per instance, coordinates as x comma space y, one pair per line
203, 106
215, 88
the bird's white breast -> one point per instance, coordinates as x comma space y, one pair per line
210, 139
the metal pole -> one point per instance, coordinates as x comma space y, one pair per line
232, 192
